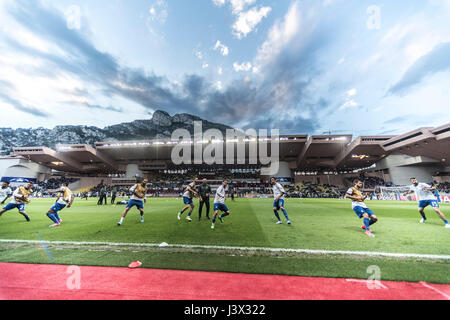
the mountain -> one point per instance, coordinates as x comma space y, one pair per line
159, 127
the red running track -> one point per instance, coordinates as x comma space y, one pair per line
47, 282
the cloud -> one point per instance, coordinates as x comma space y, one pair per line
99, 107
245, 66
158, 11
396, 120
82, 60
236, 5
223, 49
198, 54
19, 106
349, 100
281, 96
437, 60
282, 93
157, 16
294, 124
280, 36
415, 120
247, 21
240, 5
349, 104
352, 92
294, 67
219, 3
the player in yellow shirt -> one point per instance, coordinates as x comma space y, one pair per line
360, 208
20, 198
65, 199
138, 198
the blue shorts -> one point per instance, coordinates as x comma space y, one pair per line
138, 203
187, 200
57, 207
426, 203
221, 207
19, 206
360, 211
278, 204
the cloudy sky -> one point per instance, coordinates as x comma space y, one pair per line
302, 66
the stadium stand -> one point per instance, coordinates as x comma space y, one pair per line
322, 166
54, 183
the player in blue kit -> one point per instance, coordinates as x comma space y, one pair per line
65, 200
20, 198
219, 204
360, 208
188, 199
5, 192
138, 199
278, 202
427, 197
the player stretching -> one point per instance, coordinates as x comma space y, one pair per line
426, 196
19, 200
188, 196
65, 199
278, 203
219, 204
5, 192
360, 207
138, 199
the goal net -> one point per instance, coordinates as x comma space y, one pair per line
395, 193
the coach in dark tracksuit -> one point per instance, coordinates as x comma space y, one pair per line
113, 196
204, 190
102, 196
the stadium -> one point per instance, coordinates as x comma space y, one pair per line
328, 162
316, 172
224, 151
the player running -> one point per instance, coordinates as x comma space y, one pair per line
426, 196
20, 200
361, 208
65, 199
278, 202
5, 192
188, 196
138, 199
219, 204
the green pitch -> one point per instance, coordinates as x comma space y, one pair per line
317, 224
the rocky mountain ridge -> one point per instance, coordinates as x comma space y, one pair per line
160, 126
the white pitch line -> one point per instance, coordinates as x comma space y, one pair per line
274, 250
374, 283
435, 290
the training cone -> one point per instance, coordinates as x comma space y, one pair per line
135, 264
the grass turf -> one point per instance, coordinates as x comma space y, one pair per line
317, 224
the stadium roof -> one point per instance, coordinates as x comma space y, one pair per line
321, 151
318, 152
431, 142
